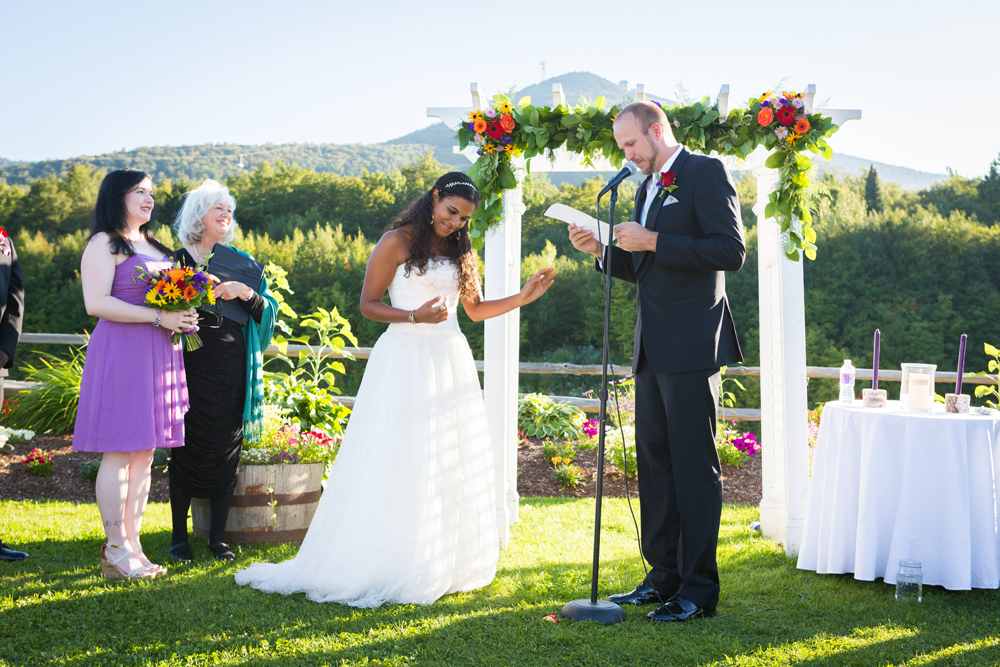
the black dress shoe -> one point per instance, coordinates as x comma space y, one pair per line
643, 594
222, 551
181, 553
10, 554
679, 609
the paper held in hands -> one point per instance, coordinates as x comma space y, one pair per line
570, 215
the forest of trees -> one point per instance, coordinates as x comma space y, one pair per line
220, 161
921, 266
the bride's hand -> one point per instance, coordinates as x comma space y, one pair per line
538, 285
432, 312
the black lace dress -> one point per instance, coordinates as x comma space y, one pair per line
205, 467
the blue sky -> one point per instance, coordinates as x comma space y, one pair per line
87, 78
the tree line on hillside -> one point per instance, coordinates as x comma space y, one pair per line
919, 266
220, 161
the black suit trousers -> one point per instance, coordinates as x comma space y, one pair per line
680, 480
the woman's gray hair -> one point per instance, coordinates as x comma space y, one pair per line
197, 203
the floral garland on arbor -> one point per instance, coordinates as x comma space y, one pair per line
777, 122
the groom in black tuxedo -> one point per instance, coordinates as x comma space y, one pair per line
685, 234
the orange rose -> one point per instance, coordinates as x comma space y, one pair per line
507, 122
765, 116
801, 126
479, 126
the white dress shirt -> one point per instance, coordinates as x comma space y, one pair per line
651, 187
653, 183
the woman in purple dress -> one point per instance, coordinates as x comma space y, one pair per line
133, 394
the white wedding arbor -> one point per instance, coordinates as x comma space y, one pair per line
785, 474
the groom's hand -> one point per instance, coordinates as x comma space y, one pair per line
633, 236
584, 240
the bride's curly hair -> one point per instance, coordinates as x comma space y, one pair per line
456, 246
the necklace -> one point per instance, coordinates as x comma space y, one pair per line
198, 254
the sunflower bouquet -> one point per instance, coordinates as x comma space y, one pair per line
178, 288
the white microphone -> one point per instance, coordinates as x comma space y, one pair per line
627, 170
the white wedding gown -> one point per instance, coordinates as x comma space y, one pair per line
407, 515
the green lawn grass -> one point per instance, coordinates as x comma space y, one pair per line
56, 609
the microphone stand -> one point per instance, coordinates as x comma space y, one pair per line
593, 609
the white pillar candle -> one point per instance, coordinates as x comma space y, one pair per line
919, 390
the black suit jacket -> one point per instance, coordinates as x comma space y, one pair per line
684, 321
11, 304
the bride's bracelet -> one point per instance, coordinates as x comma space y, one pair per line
413, 320
156, 322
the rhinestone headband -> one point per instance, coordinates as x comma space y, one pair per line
460, 183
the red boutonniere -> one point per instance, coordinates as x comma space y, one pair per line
4, 243
668, 183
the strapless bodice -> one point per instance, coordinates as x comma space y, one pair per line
409, 292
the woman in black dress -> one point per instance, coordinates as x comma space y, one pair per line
224, 378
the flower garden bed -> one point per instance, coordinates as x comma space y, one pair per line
741, 485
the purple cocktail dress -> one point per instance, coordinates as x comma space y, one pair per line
133, 394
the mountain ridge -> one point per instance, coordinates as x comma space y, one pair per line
218, 161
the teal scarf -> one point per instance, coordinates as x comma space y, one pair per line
258, 338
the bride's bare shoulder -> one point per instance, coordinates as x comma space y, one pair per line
395, 243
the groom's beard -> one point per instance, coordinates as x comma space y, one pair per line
653, 160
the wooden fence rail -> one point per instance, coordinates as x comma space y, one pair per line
586, 404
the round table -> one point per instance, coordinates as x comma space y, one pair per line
891, 484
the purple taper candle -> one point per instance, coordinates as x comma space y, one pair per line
878, 339
961, 364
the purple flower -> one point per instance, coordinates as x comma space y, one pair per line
490, 113
479, 141
677, 123
766, 103
783, 102
471, 127
797, 103
589, 392
781, 133
657, 103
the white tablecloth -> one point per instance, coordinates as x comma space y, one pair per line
891, 484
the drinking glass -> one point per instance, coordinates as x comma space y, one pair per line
909, 581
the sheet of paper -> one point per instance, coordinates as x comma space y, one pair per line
569, 215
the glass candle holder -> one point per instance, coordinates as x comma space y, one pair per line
917, 392
909, 581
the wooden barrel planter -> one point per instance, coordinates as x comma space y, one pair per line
297, 488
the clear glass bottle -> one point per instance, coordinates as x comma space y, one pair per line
909, 581
847, 375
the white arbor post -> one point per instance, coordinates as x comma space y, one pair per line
783, 397
500, 346
501, 356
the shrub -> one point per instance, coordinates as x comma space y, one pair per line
561, 450
567, 475
39, 462
282, 442
51, 408
621, 453
540, 417
15, 436
735, 449
729, 455
89, 470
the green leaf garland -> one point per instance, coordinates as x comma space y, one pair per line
506, 131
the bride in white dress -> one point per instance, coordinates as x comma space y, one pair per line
408, 515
